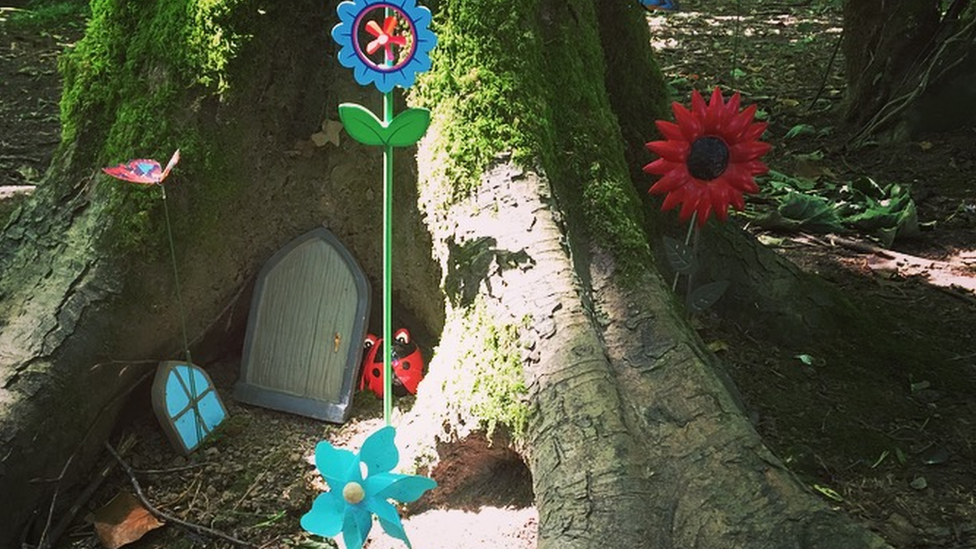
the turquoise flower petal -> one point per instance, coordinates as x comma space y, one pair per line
379, 453
389, 519
356, 526
404, 488
326, 516
337, 466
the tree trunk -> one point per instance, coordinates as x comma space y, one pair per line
536, 232
632, 437
910, 67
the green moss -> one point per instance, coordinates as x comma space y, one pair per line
487, 382
534, 84
127, 85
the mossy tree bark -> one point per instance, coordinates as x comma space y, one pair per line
539, 245
909, 66
632, 437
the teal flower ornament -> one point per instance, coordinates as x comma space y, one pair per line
384, 42
354, 496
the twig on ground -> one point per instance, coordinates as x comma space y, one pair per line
161, 515
48, 541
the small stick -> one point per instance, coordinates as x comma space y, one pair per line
166, 516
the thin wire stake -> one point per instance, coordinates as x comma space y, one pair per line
176, 277
691, 226
186, 342
735, 42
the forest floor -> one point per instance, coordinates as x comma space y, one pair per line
891, 441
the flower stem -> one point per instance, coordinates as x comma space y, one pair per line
387, 266
691, 226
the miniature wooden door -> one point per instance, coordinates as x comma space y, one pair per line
305, 330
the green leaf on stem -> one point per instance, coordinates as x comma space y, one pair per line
408, 127
362, 125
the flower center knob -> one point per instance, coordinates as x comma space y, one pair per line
383, 39
353, 493
708, 159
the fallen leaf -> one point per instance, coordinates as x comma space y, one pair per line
123, 520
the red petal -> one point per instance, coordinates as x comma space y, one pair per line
389, 25
756, 167
690, 205
704, 211
697, 105
399, 40
672, 200
690, 125
731, 108
660, 167
713, 116
750, 150
754, 131
739, 123
737, 201
669, 130
675, 151
373, 46
671, 181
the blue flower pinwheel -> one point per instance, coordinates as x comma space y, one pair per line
380, 20
352, 500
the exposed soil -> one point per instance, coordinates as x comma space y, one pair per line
890, 440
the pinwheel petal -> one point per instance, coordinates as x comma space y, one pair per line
379, 453
402, 488
356, 526
389, 519
326, 516
337, 466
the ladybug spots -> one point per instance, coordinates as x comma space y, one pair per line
405, 365
376, 373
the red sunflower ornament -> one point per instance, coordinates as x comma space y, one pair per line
709, 157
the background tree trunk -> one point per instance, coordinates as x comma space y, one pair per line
910, 67
532, 232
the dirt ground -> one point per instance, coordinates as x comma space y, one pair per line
890, 440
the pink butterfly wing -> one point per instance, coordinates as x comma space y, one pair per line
146, 172
169, 165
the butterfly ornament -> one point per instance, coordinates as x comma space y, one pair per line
143, 171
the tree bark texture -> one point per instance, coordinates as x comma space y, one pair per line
909, 66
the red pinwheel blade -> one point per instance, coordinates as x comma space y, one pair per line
389, 25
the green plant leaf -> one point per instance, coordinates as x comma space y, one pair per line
680, 257
810, 212
408, 127
705, 296
362, 125
800, 129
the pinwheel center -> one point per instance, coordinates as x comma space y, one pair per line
708, 159
353, 493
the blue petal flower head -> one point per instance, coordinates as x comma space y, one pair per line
368, 27
352, 500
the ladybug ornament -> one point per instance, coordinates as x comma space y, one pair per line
408, 365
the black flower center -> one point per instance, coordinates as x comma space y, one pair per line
708, 158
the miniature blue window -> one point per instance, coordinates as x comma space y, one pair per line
186, 404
